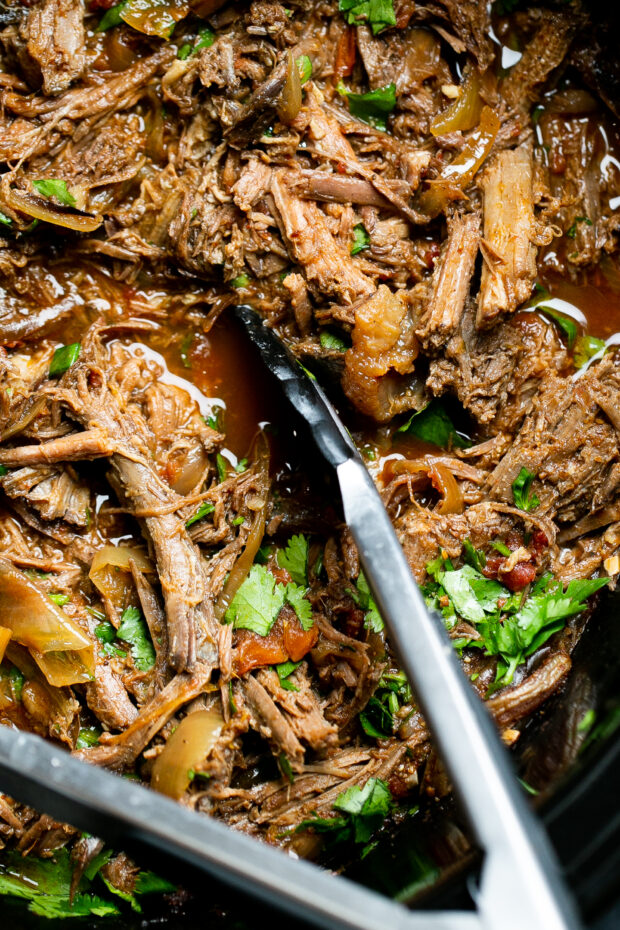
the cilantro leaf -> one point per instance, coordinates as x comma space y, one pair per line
295, 597
372, 108
63, 358
284, 670
363, 811
5, 220
567, 325
46, 885
294, 559
376, 719
331, 341
474, 557
88, 736
379, 14
59, 599
572, 230
222, 467
257, 603
134, 630
106, 634
472, 594
361, 239
432, 424
54, 187
373, 620
521, 488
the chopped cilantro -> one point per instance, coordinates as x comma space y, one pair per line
206, 40
331, 341
304, 66
112, 17
63, 358
372, 108
585, 348
205, 508
361, 239
432, 424
474, 557
238, 521
365, 600
361, 810
184, 51
287, 768
571, 232
5, 220
295, 597
88, 736
527, 787
53, 187
3, 471
184, 350
501, 547
506, 626
241, 466
106, 634
17, 682
567, 325
377, 719
222, 467
242, 280
379, 14
587, 721
521, 491
134, 630
59, 599
294, 559
284, 670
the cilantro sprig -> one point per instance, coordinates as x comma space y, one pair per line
54, 188
294, 559
506, 625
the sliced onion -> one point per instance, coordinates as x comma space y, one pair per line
154, 17
57, 704
185, 750
61, 649
464, 112
290, 97
242, 566
461, 170
440, 477
50, 212
5, 636
27, 415
119, 557
110, 571
444, 481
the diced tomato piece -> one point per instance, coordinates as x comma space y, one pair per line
521, 575
346, 51
287, 639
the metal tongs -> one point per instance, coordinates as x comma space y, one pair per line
520, 886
